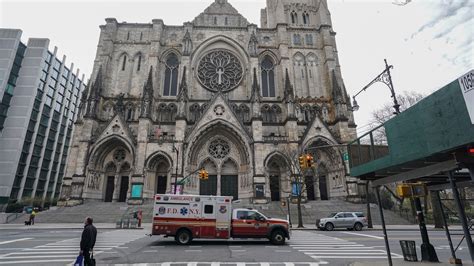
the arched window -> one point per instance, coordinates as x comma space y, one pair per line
162, 112
195, 112
139, 62
244, 113
294, 17
171, 75
215, 20
173, 110
268, 77
130, 112
124, 62
266, 113
226, 21
305, 18
275, 114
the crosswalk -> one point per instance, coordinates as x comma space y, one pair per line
226, 264
65, 251
319, 247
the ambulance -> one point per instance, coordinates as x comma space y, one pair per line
186, 217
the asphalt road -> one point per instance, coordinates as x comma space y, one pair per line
309, 247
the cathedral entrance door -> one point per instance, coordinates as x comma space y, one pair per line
309, 183
208, 187
123, 189
323, 188
161, 185
109, 189
230, 186
275, 187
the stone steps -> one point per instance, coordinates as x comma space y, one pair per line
106, 212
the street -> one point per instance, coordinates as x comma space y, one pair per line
20, 246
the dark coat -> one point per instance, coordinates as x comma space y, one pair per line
88, 237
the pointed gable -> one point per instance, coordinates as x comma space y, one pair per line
221, 13
317, 128
117, 127
219, 109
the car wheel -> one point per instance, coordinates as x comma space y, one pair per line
329, 227
358, 227
183, 237
277, 237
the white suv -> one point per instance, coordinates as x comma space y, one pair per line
350, 220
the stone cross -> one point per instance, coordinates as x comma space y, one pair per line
220, 72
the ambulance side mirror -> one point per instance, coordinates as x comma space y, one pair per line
261, 219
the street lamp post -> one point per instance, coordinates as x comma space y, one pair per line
386, 78
176, 176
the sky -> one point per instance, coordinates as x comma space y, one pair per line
428, 42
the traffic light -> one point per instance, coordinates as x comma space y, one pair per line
309, 160
302, 161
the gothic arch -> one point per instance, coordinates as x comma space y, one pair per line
158, 167
201, 135
314, 75
138, 60
275, 58
106, 145
156, 155
277, 169
276, 154
167, 52
213, 43
300, 75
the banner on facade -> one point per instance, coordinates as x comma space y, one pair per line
466, 82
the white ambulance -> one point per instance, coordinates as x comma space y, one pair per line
195, 216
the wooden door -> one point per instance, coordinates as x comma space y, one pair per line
123, 189
109, 189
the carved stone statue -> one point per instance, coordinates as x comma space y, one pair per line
253, 42
187, 44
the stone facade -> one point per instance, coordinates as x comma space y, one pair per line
219, 93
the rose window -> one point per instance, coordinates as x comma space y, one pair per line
219, 148
220, 71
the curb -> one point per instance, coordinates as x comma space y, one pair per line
66, 228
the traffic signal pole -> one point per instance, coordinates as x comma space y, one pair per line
428, 252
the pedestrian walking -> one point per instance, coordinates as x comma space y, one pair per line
88, 241
32, 217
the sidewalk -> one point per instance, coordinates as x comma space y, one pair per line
112, 226
39, 226
405, 263
412, 227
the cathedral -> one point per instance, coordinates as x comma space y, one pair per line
218, 93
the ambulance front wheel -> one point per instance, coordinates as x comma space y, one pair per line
277, 237
183, 237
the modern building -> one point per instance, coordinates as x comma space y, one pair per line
218, 93
39, 98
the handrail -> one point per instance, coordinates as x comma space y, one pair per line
366, 134
16, 214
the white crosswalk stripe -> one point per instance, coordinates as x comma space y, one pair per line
226, 263
65, 251
325, 247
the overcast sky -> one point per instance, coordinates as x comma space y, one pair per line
429, 42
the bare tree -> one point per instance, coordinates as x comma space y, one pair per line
297, 184
401, 2
385, 113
